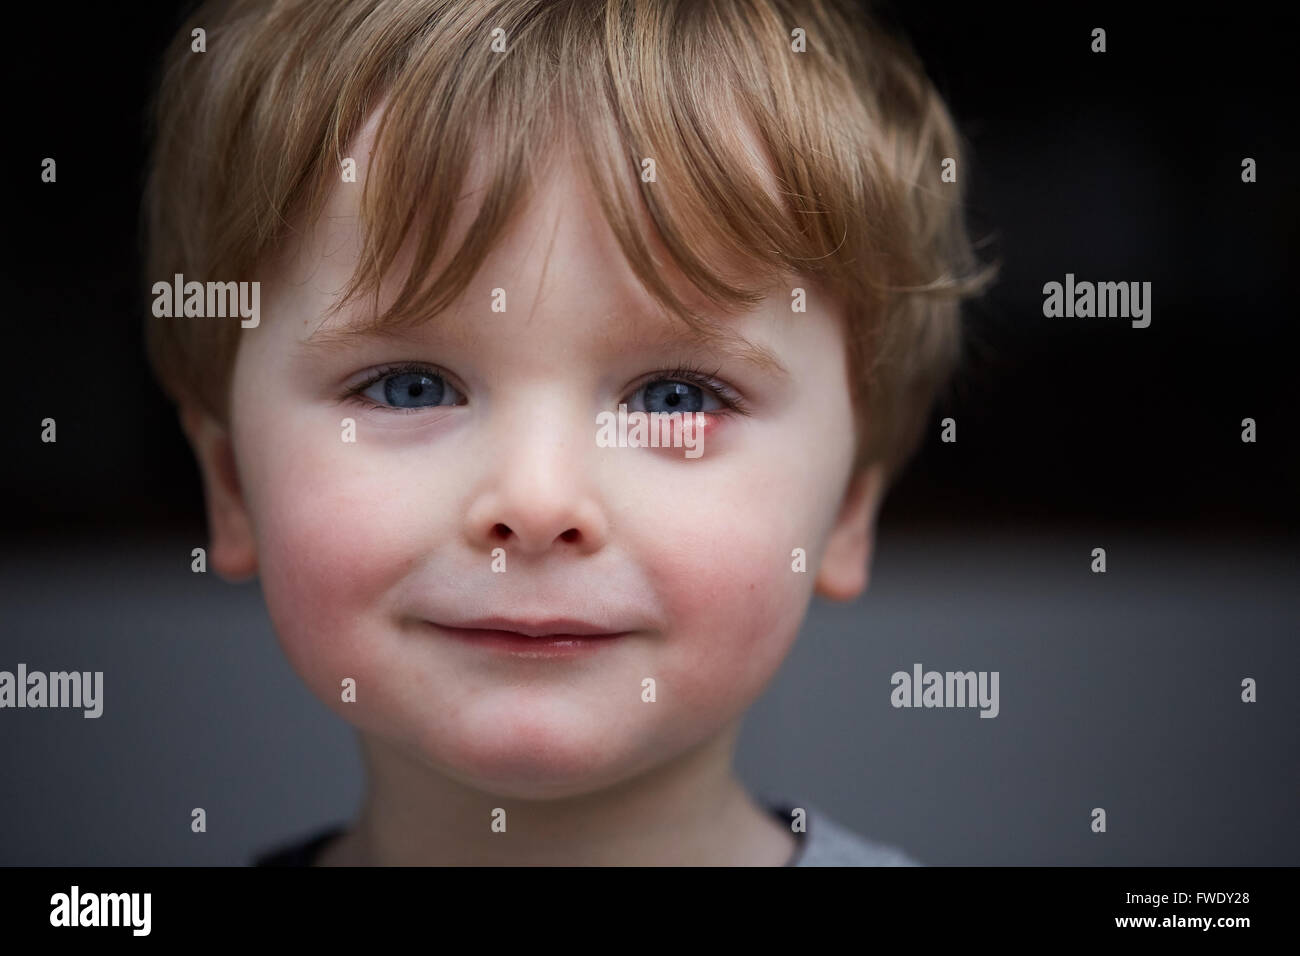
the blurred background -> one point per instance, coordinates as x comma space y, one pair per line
1119, 690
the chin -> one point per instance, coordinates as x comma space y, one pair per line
540, 753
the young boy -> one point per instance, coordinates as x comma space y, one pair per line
465, 235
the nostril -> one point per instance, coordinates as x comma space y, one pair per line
501, 531
570, 535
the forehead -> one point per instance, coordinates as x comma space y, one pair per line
560, 224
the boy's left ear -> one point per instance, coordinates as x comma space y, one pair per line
846, 562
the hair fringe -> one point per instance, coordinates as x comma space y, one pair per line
827, 169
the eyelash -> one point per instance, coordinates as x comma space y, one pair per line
354, 393
732, 401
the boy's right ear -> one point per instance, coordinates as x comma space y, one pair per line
232, 550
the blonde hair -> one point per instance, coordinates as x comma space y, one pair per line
250, 134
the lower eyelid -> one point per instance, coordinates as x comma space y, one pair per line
398, 410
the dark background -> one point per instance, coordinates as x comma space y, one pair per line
1118, 690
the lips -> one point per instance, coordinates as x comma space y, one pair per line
550, 639
536, 628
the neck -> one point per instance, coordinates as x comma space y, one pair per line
691, 811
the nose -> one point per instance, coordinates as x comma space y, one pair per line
539, 492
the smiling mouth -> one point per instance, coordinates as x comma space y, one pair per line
549, 643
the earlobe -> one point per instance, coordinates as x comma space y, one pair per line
846, 562
232, 550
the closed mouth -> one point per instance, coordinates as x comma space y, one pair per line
535, 643
486, 632
554, 629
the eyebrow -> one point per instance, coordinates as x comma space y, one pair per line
338, 338
724, 341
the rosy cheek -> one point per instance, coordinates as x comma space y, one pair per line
331, 546
735, 607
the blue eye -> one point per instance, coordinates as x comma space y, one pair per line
671, 395
409, 389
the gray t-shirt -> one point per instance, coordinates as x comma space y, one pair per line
827, 843
824, 843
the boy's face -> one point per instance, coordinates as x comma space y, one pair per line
368, 549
